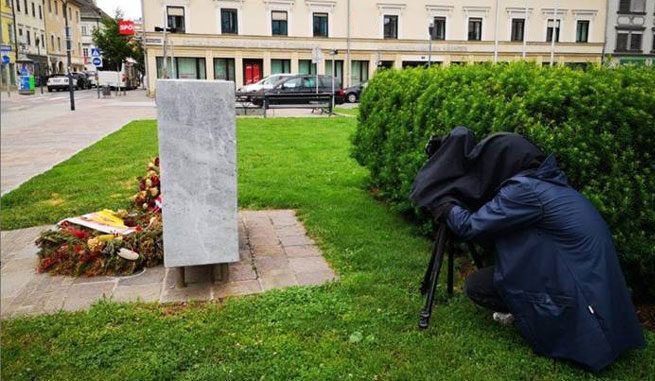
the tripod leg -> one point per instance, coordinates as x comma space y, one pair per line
425, 283
476, 257
426, 312
451, 267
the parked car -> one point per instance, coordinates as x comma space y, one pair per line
91, 76
59, 82
353, 92
299, 89
83, 81
266, 83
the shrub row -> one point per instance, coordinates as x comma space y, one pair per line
600, 124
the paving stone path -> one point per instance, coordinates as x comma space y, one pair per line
274, 248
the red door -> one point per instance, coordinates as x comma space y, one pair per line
252, 72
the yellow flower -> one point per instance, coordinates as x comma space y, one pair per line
154, 192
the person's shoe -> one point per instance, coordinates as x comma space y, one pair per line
503, 318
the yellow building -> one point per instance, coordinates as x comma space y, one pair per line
8, 43
243, 40
55, 28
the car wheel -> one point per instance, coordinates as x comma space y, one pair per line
352, 98
49, 89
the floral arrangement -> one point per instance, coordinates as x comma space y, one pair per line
73, 249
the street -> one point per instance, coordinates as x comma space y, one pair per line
39, 131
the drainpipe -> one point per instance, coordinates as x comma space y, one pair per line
607, 17
525, 31
348, 64
13, 15
496, 35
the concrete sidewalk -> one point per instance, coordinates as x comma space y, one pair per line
40, 131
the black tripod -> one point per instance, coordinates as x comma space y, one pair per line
431, 277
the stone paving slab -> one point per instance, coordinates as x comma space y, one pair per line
274, 251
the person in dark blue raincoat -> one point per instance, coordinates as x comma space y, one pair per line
556, 268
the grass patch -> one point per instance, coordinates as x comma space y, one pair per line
363, 327
352, 111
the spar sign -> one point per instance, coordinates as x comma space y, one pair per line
125, 27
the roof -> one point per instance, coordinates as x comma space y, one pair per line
90, 10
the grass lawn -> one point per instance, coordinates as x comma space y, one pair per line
362, 327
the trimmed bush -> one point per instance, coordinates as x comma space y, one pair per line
599, 123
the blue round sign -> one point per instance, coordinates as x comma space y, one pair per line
5, 59
97, 61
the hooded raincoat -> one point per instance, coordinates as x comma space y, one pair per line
556, 268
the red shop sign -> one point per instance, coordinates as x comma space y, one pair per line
125, 27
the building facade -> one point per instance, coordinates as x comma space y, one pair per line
8, 43
55, 26
30, 26
631, 31
91, 19
244, 40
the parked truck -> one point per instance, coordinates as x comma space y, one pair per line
128, 78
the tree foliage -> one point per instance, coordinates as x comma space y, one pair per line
115, 47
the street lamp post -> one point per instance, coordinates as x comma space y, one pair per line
38, 63
556, 27
333, 53
164, 69
430, 37
71, 90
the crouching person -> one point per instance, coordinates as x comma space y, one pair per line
556, 273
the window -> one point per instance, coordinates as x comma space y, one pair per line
85, 52
175, 18
652, 49
359, 72
582, 31
628, 41
20, 33
229, 23
320, 24
224, 68
33, 10
518, 29
439, 28
475, 29
280, 66
52, 42
279, 23
40, 13
552, 23
84, 31
18, 5
338, 68
27, 12
56, 8
11, 32
28, 38
306, 67
390, 26
632, 6
292, 83
185, 68
58, 44
77, 15
70, 13
49, 6
42, 40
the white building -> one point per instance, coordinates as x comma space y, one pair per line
243, 40
91, 18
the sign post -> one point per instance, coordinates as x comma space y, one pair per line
96, 59
317, 58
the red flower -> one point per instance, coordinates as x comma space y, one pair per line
157, 161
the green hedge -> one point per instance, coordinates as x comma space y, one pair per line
600, 123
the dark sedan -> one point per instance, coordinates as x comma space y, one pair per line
300, 89
353, 92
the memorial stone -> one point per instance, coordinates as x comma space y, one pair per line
197, 153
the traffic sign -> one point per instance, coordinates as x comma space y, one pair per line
97, 61
95, 52
5, 60
317, 55
5, 48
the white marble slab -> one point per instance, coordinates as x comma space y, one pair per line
197, 153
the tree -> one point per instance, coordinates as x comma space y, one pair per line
115, 47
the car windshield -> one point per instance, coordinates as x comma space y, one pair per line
270, 80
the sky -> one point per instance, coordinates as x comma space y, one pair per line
131, 8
